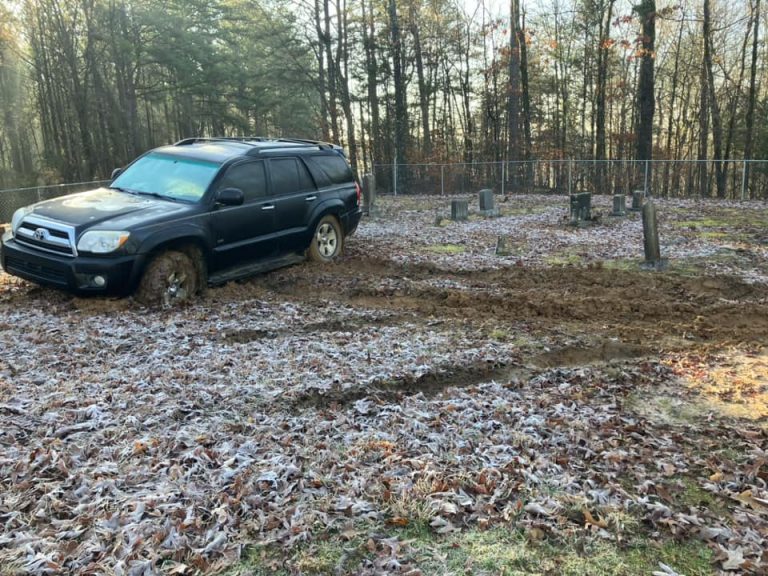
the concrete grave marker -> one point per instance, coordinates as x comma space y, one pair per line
504, 246
637, 200
619, 205
488, 203
581, 208
459, 210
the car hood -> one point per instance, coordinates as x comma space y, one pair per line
109, 209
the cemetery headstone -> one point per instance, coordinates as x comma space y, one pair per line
619, 205
459, 210
637, 200
581, 208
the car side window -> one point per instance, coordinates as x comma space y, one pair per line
250, 177
289, 176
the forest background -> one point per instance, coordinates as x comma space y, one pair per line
86, 85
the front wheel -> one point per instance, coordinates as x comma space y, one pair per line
327, 241
171, 279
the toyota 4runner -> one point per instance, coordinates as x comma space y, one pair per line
202, 211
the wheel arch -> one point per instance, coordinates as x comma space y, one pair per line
193, 245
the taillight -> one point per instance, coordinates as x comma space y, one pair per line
359, 193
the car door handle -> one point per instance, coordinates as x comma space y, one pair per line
310, 198
267, 206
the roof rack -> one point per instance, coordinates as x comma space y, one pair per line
258, 139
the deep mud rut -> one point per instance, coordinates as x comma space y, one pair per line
647, 310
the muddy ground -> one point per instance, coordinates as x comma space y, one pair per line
557, 390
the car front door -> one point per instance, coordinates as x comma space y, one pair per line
246, 232
295, 195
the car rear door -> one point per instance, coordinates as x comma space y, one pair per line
247, 232
294, 194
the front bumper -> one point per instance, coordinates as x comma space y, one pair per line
120, 274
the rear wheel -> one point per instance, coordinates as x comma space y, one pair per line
327, 241
171, 279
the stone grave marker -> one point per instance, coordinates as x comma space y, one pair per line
488, 203
504, 246
637, 200
459, 210
619, 205
581, 208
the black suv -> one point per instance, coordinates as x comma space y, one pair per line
202, 211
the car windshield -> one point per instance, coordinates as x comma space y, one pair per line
171, 177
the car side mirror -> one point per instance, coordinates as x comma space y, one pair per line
116, 172
230, 197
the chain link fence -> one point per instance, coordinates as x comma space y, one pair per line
11, 200
732, 179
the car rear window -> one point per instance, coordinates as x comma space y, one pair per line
289, 176
334, 167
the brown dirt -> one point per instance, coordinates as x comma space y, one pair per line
652, 310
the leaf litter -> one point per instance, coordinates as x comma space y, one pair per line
141, 442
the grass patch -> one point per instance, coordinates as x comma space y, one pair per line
512, 552
702, 223
563, 260
695, 496
446, 249
496, 551
624, 264
335, 555
713, 235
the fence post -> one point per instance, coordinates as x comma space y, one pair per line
442, 179
570, 176
744, 179
503, 175
645, 184
394, 176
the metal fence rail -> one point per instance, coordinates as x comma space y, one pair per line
732, 179
665, 178
11, 200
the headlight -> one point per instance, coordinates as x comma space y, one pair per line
102, 241
18, 216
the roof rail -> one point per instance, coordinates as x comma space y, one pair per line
253, 139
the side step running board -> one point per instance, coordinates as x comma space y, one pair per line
253, 268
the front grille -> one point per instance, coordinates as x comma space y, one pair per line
47, 236
24, 267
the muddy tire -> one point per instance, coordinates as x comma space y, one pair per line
327, 241
170, 279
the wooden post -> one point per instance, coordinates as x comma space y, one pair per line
369, 194
651, 234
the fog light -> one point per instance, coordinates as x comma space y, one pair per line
99, 281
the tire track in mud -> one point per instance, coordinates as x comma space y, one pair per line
632, 305
466, 376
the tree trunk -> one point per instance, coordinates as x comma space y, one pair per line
401, 110
603, 53
514, 93
750, 120
645, 86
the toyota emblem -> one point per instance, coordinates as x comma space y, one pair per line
41, 234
